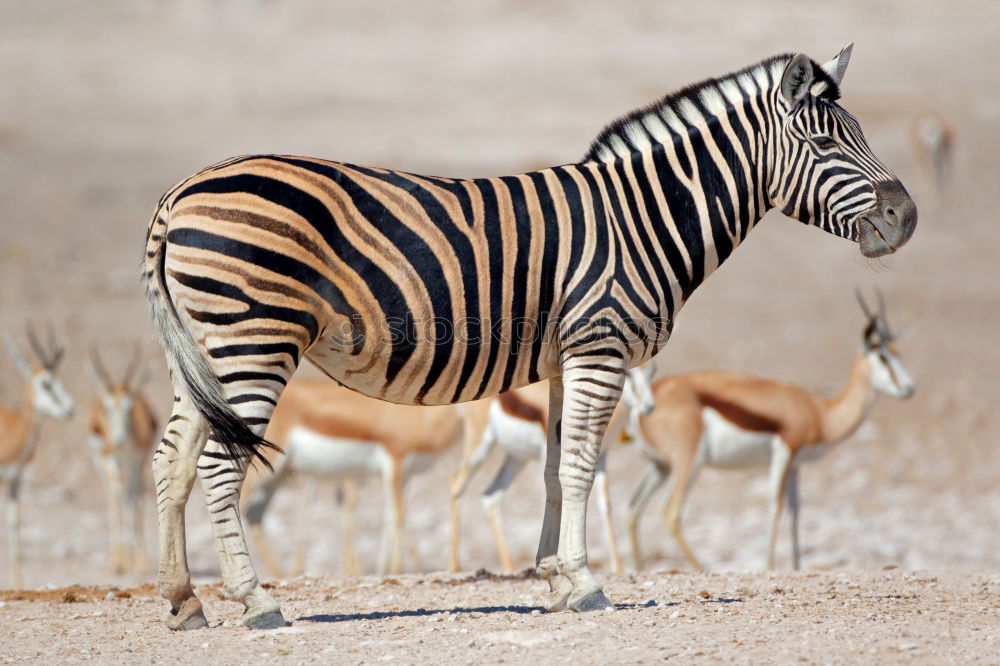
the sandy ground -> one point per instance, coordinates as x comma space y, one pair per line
812, 618
106, 105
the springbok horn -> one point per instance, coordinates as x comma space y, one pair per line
36, 345
883, 315
99, 371
861, 302
56, 350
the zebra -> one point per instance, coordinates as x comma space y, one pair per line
427, 290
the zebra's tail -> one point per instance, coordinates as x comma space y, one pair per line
228, 428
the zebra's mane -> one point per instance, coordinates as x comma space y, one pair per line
674, 113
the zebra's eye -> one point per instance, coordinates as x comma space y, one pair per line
824, 142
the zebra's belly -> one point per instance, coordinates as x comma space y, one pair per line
429, 376
726, 445
311, 452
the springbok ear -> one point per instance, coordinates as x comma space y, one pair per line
836, 67
796, 79
15, 353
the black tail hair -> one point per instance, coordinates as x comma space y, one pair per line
228, 428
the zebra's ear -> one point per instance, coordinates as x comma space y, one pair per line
797, 78
836, 67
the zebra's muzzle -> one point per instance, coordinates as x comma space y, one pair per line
889, 224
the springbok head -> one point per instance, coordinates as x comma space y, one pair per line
638, 391
825, 174
47, 393
889, 376
117, 397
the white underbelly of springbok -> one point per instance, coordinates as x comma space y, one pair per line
723, 444
310, 452
522, 439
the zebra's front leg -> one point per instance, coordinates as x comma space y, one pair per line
221, 480
591, 395
547, 558
173, 472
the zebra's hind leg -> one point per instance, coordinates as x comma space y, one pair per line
173, 473
221, 479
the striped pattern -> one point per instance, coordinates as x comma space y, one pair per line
426, 290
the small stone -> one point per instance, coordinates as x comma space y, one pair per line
536, 612
906, 647
676, 614
204, 646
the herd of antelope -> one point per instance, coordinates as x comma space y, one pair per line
681, 423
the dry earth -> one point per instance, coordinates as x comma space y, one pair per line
811, 618
105, 105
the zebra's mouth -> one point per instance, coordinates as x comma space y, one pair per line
871, 239
886, 226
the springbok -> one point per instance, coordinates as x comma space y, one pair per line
43, 395
122, 438
332, 432
933, 140
517, 422
728, 420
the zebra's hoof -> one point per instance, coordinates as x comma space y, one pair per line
187, 617
272, 620
594, 601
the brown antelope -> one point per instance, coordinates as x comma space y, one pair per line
43, 395
727, 420
517, 422
332, 432
122, 437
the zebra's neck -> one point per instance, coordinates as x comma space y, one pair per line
684, 206
698, 165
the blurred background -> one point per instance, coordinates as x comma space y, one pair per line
106, 105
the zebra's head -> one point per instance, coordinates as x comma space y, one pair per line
824, 172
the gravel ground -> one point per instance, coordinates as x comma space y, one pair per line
813, 618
